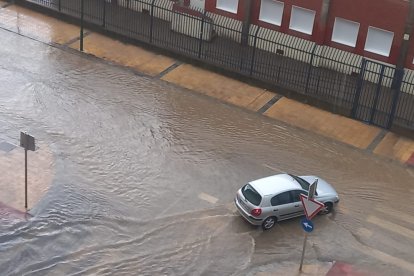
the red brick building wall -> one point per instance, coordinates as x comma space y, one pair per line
389, 15
314, 5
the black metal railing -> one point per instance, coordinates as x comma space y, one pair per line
334, 77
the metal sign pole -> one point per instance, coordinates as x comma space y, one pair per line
308, 223
81, 29
303, 251
28, 143
25, 179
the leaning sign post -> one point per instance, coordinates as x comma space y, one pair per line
28, 143
311, 207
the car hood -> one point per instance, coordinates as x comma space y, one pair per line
324, 188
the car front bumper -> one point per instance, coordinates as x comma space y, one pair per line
247, 216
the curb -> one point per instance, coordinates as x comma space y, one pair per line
410, 161
8, 212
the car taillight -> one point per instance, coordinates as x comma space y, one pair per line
256, 212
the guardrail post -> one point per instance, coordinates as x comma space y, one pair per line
398, 76
377, 94
201, 33
152, 20
310, 68
104, 13
254, 50
359, 87
81, 28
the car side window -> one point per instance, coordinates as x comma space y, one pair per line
280, 199
296, 195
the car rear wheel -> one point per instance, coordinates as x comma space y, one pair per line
327, 209
269, 223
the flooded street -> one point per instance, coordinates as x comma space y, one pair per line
145, 172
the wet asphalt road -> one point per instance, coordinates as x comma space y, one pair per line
145, 175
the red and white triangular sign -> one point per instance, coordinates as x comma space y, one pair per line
311, 206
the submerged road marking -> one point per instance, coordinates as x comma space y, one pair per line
231, 207
392, 227
208, 198
386, 258
273, 168
180, 199
342, 209
396, 214
411, 172
364, 232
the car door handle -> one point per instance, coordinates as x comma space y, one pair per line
297, 205
275, 210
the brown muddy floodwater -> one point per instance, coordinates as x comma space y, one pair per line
135, 159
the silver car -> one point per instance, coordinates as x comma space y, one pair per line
274, 198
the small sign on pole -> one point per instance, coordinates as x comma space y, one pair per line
312, 189
307, 225
311, 207
28, 143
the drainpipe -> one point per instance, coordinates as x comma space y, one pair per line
408, 30
401, 61
405, 44
247, 7
323, 21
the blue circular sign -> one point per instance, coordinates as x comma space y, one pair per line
307, 225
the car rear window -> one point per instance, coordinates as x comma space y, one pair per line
302, 182
251, 195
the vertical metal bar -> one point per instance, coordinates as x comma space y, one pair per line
377, 93
201, 34
59, 5
278, 74
318, 82
81, 29
25, 178
104, 13
310, 68
359, 88
152, 20
254, 50
399, 74
303, 251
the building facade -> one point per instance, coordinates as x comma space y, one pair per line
371, 28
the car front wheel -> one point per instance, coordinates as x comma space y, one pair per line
327, 209
269, 223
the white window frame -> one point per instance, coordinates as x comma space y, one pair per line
225, 5
345, 32
271, 15
375, 44
295, 20
198, 4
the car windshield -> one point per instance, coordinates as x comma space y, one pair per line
251, 195
302, 182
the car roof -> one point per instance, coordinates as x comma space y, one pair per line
274, 184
